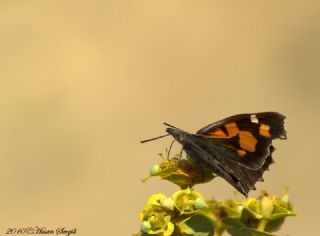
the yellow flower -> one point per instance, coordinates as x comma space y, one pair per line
188, 201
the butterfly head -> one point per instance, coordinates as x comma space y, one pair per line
177, 134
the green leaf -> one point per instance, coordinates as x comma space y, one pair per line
237, 228
250, 218
275, 221
197, 225
274, 225
252, 206
146, 234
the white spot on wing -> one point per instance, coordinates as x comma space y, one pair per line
254, 119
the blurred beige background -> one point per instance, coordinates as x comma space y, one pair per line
82, 83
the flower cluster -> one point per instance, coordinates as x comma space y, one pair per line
252, 216
187, 212
178, 215
182, 172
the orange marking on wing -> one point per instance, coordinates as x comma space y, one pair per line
247, 141
241, 152
232, 129
264, 130
218, 133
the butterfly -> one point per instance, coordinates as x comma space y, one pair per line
238, 148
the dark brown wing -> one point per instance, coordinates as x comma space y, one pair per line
248, 136
218, 156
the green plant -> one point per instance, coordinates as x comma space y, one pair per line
187, 212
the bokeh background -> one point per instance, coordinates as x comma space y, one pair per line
82, 82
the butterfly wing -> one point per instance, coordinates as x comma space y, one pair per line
238, 148
216, 156
247, 138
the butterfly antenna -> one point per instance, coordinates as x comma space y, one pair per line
148, 140
170, 125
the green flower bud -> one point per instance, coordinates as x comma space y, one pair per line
145, 226
167, 203
199, 203
154, 170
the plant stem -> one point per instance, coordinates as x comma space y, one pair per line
217, 233
218, 228
262, 225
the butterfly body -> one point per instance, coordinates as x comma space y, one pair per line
238, 148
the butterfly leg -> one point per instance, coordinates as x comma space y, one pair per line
180, 154
168, 153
